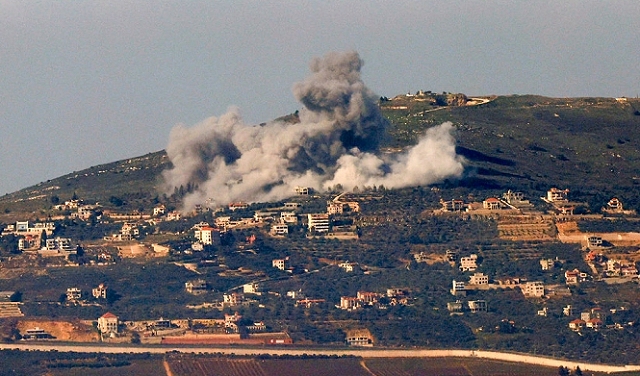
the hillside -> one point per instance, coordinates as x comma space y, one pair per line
527, 142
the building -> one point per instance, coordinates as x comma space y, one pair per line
533, 289
469, 264
59, 244
368, 298
100, 292
208, 235
233, 298
318, 223
196, 287
615, 205
594, 242
491, 203
108, 324
359, 337
251, 288
576, 325
453, 205
479, 279
279, 229
557, 195
547, 264
36, 334
348, 266
73, 294
572, 277
477, 306
458, 288
280, 263
302, 190
349, 302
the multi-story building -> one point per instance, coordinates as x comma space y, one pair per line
479, 279
318, 222
100, 292
73, 294
469, 264
533, 289
108, 324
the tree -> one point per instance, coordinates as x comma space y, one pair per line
563, 371
578, 371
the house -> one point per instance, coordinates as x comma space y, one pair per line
159, 210
594, 242
491, 203
533, 289
594, 324
208, 235
576, 324
108, 324
349, 303
197, 287
458, 288
251, 288
73, 294
302, 190
477, 306
547, 264
318, 222
367, 297
348, 266
308, 303
233, 298
280, 263
100, 292
469, 264
572, 277
614, 205
279, 229
479, 279
59, 244
359, 337
453, 205
557, 195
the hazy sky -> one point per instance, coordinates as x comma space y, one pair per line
90, 82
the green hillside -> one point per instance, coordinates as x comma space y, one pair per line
526, 142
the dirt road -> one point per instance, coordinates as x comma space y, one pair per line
364, 353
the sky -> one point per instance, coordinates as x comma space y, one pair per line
89, 82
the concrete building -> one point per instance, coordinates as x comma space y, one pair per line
108, 324
533, 289
318, 222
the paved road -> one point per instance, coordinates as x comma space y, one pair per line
364, 353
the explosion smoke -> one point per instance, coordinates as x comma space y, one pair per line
336, 141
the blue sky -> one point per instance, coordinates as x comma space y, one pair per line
90, 82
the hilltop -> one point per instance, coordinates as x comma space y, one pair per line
522, 142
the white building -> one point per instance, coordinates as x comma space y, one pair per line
280, 229
108, 324
318, 222
208, 235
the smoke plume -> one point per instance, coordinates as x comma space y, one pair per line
336, 142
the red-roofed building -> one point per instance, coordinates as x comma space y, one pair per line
491, 203
108, 324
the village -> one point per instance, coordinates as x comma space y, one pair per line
516, 217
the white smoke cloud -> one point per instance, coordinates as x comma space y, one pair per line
335, 142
